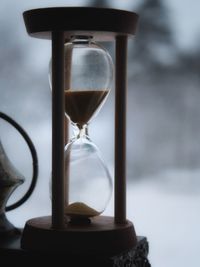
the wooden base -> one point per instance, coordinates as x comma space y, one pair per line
102, 236
12, 254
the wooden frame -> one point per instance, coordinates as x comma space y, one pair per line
104, 25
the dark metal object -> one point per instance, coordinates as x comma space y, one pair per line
10, 179
34, 157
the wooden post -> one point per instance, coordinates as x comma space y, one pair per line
67, 161
120, 129
57, 130
67, 85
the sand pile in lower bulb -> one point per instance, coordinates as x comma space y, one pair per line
80, 209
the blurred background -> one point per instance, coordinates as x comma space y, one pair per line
163, 156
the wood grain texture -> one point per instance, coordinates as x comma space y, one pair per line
101, 236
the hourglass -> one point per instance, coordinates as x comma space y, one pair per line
88, 72
88, 75
81, 77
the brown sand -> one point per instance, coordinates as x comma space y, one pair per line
81, 105
80, 209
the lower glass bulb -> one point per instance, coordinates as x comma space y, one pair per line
87, 179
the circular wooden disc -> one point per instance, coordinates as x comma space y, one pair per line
102, 23
101, 236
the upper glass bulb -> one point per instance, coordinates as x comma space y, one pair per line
88, 79
88, 76
88, 65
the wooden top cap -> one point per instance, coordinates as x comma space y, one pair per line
102, 23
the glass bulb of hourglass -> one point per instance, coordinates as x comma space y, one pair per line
88, 78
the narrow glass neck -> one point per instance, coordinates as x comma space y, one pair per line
80, 131
81, 39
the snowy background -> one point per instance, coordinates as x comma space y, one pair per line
163, 157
